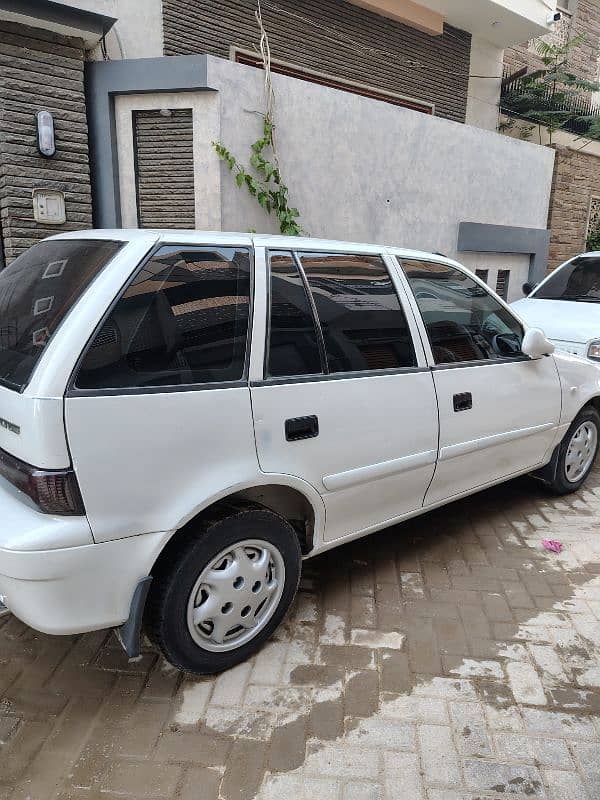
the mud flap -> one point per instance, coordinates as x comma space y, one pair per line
547, 474
129, 634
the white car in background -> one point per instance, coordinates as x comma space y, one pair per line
566, 306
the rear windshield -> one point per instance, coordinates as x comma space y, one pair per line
579, 280
36, 292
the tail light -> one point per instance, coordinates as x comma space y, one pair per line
53, 491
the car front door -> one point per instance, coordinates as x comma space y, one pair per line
499, 410
343, 397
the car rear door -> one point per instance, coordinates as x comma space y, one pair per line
499, 410
342, 396
158, 417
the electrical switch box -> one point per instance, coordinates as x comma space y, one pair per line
49, 206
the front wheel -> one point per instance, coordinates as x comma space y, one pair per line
577, 452
219, 596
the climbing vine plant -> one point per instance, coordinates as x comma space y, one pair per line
266, 184
268, 188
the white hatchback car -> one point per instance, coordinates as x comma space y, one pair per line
566, 304
184, 415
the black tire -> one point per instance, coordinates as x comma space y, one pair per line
166, 611
560, 483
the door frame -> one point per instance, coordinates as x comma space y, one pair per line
483, 443
262, 303
207, 167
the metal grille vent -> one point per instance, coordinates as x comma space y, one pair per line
482, 274
164, 162
502, 283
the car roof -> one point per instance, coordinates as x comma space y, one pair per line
177, 236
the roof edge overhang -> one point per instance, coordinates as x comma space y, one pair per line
59, 18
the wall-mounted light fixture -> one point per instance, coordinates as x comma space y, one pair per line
45, 134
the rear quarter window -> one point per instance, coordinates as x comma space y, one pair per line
36, 293
183, 320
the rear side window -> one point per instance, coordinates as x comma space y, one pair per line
36, 292
182, 320
464, 322
364, 327
293, 339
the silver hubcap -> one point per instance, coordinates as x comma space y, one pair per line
581, 451
236, 595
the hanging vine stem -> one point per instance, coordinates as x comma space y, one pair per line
267, 185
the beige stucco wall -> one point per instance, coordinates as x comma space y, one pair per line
484, 92
207, 168
138, 32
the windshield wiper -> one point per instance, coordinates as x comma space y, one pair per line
582, 298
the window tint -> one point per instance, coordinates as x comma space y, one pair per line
36, 292
293, 343
364, 327
182, 320
463, 321
579, 280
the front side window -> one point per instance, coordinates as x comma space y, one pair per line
363, 325
464, 322
579, 280
182, 320
36, 292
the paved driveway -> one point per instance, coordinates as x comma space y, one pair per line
446, 659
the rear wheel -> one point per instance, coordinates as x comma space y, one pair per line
215, 600
577, 452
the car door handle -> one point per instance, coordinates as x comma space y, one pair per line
301, 428
463, 402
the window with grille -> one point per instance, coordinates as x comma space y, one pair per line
594, 216
482, 274
502, 283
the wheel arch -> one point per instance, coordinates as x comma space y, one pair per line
302, 507
592, 401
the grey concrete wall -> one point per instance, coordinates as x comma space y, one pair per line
359, 169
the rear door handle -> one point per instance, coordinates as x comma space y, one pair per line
463, 402
300, 428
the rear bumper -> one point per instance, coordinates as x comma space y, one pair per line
76, 589
55, 579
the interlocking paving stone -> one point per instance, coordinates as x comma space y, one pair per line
402, 776
439, 756
469, 724
449, 658
504, 778
566, 786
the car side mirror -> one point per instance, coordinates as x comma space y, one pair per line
535, 344
528, 288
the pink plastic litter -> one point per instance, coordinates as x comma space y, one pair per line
553, 545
